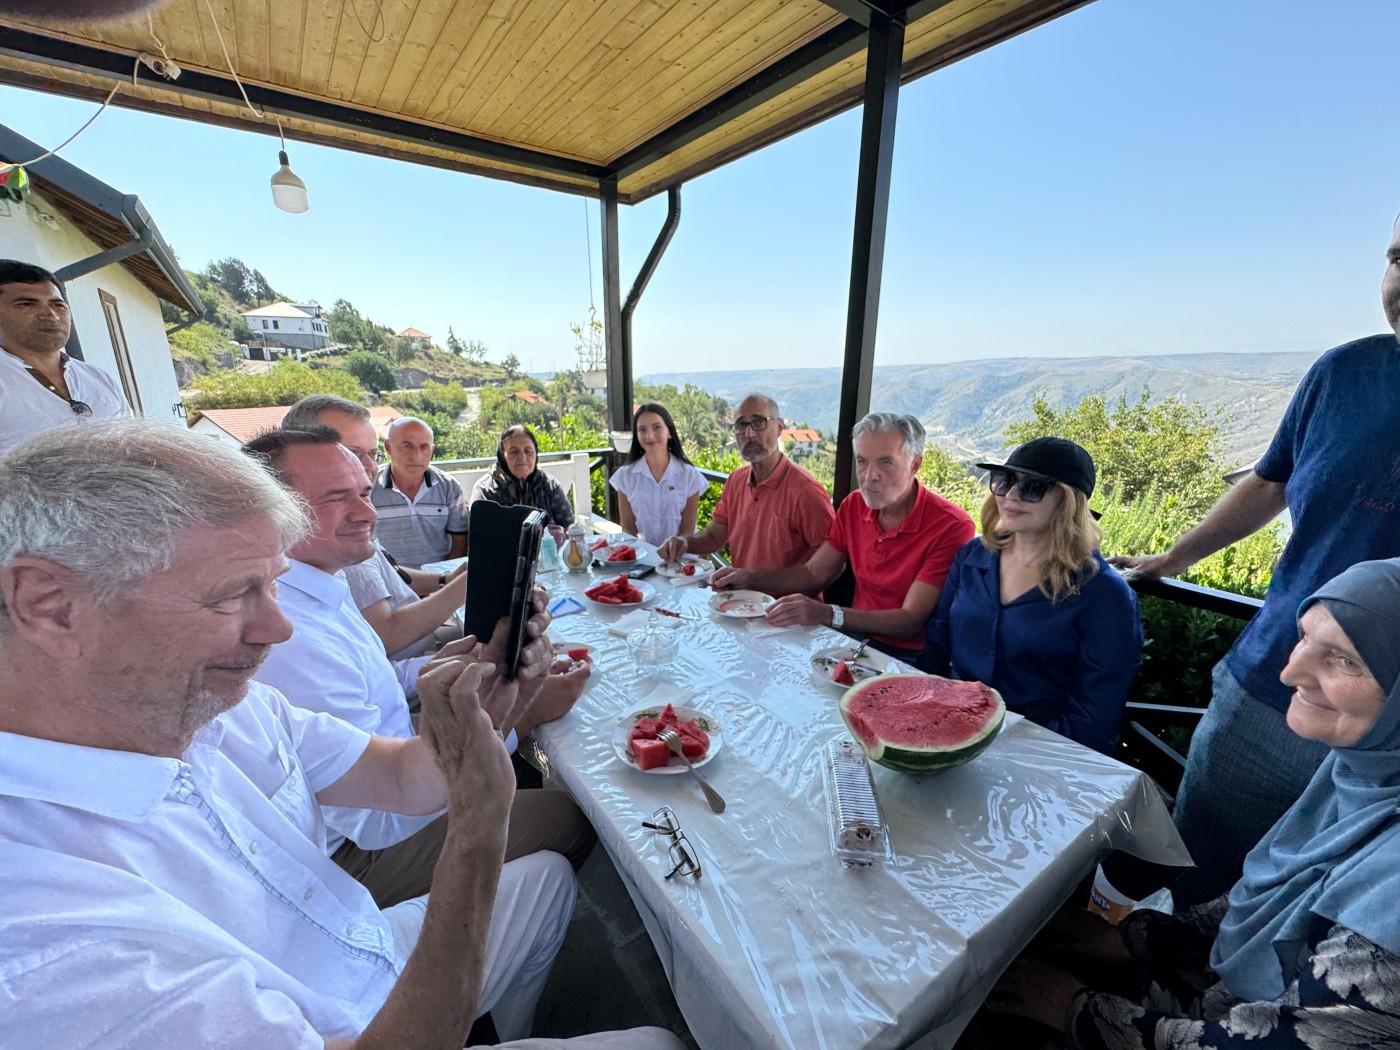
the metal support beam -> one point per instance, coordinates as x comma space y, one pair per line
619, 364
658, 249
884, 53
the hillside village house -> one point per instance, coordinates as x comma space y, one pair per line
418, 340
284, 327
801, 442
115, 268
236, 426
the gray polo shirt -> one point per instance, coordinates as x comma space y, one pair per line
421, 529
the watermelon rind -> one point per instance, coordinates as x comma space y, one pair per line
922, 760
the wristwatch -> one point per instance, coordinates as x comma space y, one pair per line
837, 616
442, 579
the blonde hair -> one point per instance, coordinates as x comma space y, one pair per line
1074, 536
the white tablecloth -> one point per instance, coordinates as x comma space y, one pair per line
778, 945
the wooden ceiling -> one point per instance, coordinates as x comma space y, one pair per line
561, 93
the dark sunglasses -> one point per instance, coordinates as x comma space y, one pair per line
1029, 488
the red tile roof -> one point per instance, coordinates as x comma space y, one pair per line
530, 396
244, 424
801, 435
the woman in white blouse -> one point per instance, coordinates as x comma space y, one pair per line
658, 491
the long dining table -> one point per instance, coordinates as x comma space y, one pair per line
776, 943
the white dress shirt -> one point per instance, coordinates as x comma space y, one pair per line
27, 407
658, 505
153, 902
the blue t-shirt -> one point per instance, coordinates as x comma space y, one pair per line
1066, 665
1337, 452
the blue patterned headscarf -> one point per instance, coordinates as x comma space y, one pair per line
1335, 855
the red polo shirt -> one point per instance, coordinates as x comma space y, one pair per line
778, 523
920, 548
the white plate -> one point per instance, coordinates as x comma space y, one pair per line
648, 593
823, 660
562, 649
707, 722
672, 569
746, 604
643, 550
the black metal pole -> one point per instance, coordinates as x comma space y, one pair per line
619, 361
658, 249
883, 59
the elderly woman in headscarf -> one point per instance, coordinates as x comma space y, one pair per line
517, 478
1305, 950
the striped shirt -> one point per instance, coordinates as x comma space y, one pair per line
421, 529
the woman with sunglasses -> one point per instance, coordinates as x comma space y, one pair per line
1031, 608
658, 491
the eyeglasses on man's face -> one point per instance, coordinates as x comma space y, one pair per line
758, 424
683, 858
1029, 488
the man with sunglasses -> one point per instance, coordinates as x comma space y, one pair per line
772, 513
41, 387
1334, 465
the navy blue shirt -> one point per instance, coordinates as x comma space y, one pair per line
1337, 452
1066, 664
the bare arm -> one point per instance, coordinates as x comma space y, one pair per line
459, 545
426, 583
1245, 509
432, 1005
625, 515
710, 539
909, 619
398, 628
818, 571
689, 513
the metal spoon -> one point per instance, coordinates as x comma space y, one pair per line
672, 739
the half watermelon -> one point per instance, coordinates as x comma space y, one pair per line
920, 723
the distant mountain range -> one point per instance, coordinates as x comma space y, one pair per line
967, 405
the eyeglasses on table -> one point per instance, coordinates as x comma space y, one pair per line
683, 856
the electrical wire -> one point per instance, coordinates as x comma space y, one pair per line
379, 21
6, 168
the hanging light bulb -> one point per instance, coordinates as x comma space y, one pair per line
288, 191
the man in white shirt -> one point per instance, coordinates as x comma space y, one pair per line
335, 663
162, 837
41, 387
404, 606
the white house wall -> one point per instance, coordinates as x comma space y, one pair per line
24, 235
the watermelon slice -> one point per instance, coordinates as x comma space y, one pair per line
669, 717
650, 754
841, 674
922, 723
579, 655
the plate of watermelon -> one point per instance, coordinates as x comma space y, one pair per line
637, 738
578, 652
619, 592
689, 567
623, 556
837, 667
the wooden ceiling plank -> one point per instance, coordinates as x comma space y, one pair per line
549, 83
423, 33
352, 47
475, 23
398, 16
183, 34
285, 36
484, 82
676, 90
317, 46
592, 77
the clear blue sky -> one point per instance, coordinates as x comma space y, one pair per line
1138, 177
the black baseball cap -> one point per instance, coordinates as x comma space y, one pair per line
1052, 458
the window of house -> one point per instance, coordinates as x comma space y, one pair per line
126, 370
276, 325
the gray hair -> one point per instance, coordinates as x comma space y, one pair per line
110, 501
908, 427
306, 412
773, 410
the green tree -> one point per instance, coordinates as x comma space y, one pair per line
512, 366
455, 346
285, 383
244, 285
952, 480
702, 420
372, 370
350, 327
200, 342
1174, 445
